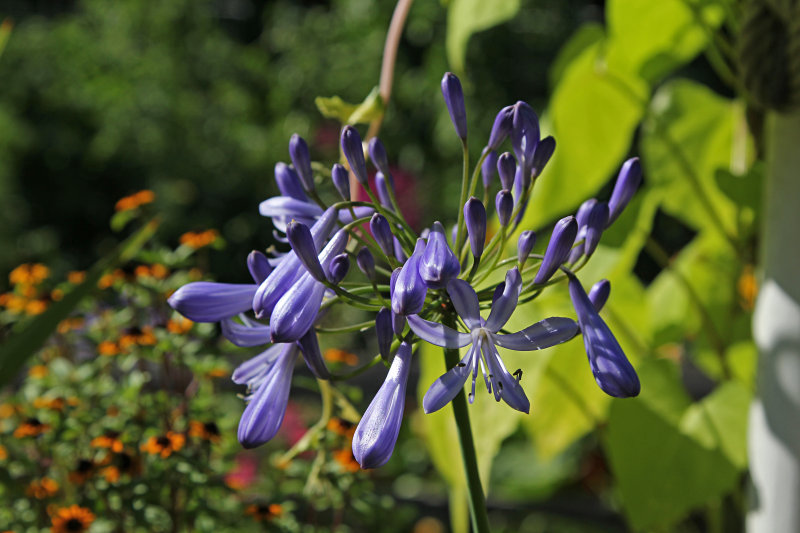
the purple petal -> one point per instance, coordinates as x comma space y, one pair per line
628, 181
385, 332
298, 152
289, 182
264, 414
475, 218
340, 265
206, 301
341, 180
258, 265
438, 334
594, 227
542, 154
502, 127
544, 334
303, 245
382, 186
504, 305
377, 153
382, 232
489, 168
558, 248
251, 334
599, 294
612, 371
312, 355
376, 434
287, 206
255, 368
354, 153
506, 169
505, 386
447, 387
366, 262
525, 243
438, 263
409, 292
454, 100
504, 205
465, 302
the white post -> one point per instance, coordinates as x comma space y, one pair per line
774, 431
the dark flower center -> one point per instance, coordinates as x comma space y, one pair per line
73, 524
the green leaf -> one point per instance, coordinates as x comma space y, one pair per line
744, 190
670, 457
367, 111
651, 39
594, 114
466, 17
585, 36
687, 137
23, 344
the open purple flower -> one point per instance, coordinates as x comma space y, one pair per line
484, 339
376, 434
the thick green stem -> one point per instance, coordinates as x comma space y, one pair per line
477, 501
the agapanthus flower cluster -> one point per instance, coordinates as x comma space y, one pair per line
427, 287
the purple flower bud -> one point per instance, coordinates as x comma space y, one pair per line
297, 309
289, 270
298, 151
524, 134
454, 99
382, 232
577, 250
383, 190
408, 294
341, 180
303, 245
629, 179
594, 227
399, 254
366, 263
246, 336
377, 153
340, 265
264, 413
206, 301
542, 154
558, 248
398, 324
376, 434
312, 355
503, 123
258, 265
354, 153
475, 217
439, 264
489, 167
582, 216
612, 370
504, 205
506, 169
525, 243
289, 182
599, 294
383, 328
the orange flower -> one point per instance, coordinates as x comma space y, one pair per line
336, 355
42, 488
35, 307
164, 445
748, 288
198, 239
346, 459
3, 453
28, 274
107, 280
72, 519
69, 324
135, 200
8, 410
56, 404
179, 325
56, 295
217, 373
32, 427
37, 371
109, 440
13, 302
204, 430
142, 271
159, 271
107, 348
141, 336
76, 276
262, 512
341, 427
83, 471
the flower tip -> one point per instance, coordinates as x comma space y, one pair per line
454, 99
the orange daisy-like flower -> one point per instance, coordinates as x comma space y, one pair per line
204, 430
107, 280
179, 325
164, 445
37, 371
3, 453
198, 239
28, 274
336, 355
135, 200
32, 427
217, 373
76, 276
108, 348
109, 440
341, 427
56, 404
262, 512
121, 463
73, 519
69, 324
747, 286
346, 459
35, 307
42, 488
82, 472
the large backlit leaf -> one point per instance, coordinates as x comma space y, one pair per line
653, 38
466, 17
